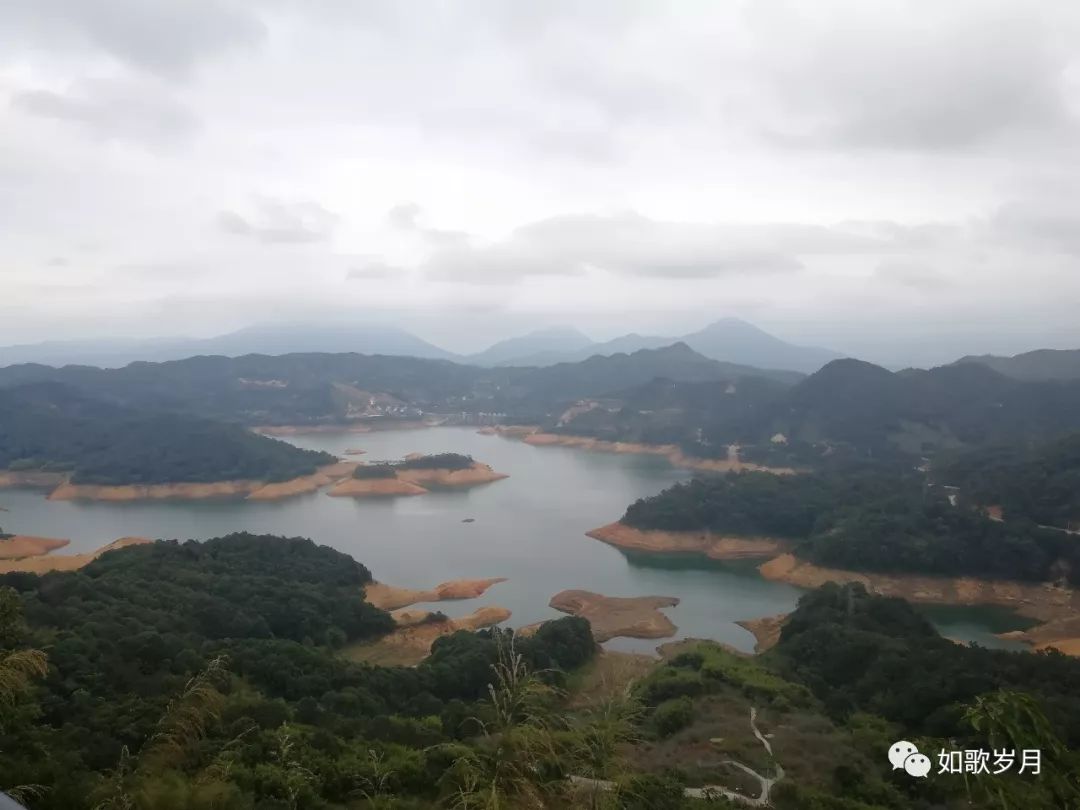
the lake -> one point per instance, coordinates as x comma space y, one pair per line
529, 528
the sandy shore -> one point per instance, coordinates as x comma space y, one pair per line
66, 562
415, 482
766, 630
472, 476
251, 489
536, 437
31, 478
374, 488
389, 597
349, 427
18, 546
611, 616
1056, 608
411, 642
714, 546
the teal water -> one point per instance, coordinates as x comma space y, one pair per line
529, 528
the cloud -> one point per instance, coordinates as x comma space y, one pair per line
275, 222
126, 110
372, 268
1038, 226
929, 78
911, 273
165, 37
630, 244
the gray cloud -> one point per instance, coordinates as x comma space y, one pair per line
1036, 226
911, 273
168, 38
631, 244
949, 77
372, 267
275, 221
114, 109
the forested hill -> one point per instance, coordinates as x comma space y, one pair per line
312, 388
1042, 364
208, 675
864, 519
1039, 481
879, 413
53, 427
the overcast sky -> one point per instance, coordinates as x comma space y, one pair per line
898, 180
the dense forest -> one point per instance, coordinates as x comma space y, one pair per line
1038, 482
870, 518
199, 675
55, 428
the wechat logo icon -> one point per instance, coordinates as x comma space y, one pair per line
904, 755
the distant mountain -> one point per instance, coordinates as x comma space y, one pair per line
274, 339
729, 340
1042, 364
602, 374
527, 349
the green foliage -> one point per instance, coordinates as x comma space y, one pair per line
673, 715
863, 518
50, 427
139, 709
438, 461
1040, 482
368, 471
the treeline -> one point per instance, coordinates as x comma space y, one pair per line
1039, 482
206, 675
864, 655
869, 518
435, 461
54, 428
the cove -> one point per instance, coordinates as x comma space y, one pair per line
529, 528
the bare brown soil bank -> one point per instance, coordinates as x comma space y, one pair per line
256, 490
388, 597
1058, 609
30, 478
766, 630
610, 616
411, 643
66, 562
18, 546
537, 438
416, 482
374, 488
472, 476
347, 427
714, 546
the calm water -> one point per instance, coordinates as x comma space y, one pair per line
529, 528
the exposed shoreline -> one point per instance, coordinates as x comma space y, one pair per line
713, 546
389, 597
20, 546
416, 481
611, 616
256, 490
535, 436
1056, 609
44, 563
347, 427
411, 642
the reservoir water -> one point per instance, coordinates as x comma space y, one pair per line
528, 528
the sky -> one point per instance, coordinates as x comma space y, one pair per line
895, 180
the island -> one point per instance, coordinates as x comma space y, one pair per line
416, 474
